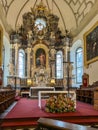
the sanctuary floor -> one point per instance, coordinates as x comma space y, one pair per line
82, 108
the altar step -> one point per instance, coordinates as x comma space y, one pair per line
30, 122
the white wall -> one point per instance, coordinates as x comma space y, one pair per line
6, 45
6, 58
92, 69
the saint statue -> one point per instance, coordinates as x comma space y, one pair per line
11, 68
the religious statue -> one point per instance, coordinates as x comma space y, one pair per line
11, 68
32, 71
53, 51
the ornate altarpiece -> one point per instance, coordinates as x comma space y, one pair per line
40, 67
40, 37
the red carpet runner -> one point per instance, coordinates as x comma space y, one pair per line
26, 112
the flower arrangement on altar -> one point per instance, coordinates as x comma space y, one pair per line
59, 104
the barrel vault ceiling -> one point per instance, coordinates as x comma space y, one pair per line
73, 14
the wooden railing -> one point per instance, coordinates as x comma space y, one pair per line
51, 124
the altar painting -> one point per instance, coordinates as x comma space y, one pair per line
40, 58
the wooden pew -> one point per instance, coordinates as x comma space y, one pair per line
85, 95
7, 97
51, 124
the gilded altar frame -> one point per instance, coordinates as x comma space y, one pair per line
41, 46
91, 45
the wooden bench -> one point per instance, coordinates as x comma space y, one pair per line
7, 97
72, 94
51, 124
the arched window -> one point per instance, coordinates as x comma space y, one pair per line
21, 65
79, 65
59, 65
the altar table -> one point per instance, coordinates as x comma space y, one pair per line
34, 90
72, 95
25, 94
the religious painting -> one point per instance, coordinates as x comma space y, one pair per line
91, 45
40, 58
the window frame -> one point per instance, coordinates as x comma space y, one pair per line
60, 71
79, 67
21, 51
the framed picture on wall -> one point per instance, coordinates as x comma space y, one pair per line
91, 45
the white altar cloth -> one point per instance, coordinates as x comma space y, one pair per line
72, 94
34, 90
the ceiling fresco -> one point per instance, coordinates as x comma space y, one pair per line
72, 13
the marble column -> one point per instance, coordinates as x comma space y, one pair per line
69, 65
64, 66
28, 61
16, 47
53, 52
32, 64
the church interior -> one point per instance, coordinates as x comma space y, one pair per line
48, 53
